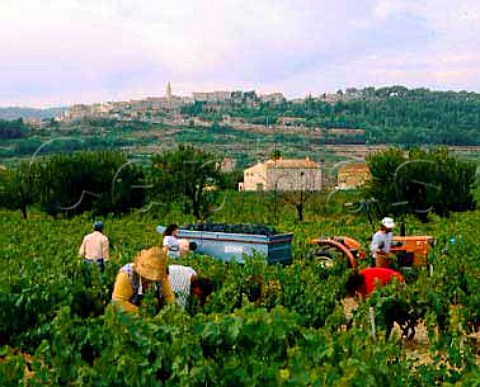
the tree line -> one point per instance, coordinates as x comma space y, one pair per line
108, 182
421, 182
13, 129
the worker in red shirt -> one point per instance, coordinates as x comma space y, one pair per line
367, 280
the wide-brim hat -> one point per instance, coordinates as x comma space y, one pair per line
388, 222
152, 264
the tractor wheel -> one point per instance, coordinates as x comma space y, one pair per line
326, 256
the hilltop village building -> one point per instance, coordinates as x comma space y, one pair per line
219, 100
213, 97
213, 101
128, 109
283, 175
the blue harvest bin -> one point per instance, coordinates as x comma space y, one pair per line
230, 247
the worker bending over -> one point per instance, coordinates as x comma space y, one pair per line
367, 280
186, 283
147, 272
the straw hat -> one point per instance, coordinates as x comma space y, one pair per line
152, 264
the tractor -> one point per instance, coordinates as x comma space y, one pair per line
409, 251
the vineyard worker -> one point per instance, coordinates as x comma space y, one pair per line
171, 242
149, 270
367, 280
382, 239
175, 247
186, 283
95, 247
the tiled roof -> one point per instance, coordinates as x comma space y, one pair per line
284, 163
292, 163
257, 167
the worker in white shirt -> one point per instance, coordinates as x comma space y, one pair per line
185, 283
174, 247
382, 239
95, 247
170, 241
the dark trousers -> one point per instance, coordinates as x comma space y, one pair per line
100, 263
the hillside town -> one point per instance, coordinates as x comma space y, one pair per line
215, 101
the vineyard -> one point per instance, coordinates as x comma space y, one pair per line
57, 328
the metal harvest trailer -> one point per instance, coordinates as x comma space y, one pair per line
229, 247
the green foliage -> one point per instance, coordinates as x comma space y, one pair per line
276, 154
230, 180
392, 115
421, 182
294, 334
32, 145
100, 182
13, 129
190, 175
17, 190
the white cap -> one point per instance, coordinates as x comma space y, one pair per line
388, 223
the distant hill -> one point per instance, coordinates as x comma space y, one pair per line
392, 115
12, 113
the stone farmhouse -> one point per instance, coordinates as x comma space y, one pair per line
283, 175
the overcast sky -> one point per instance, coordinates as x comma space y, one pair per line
58, 52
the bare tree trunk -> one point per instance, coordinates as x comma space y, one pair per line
24, 211
299, 207
196, 203
196, 209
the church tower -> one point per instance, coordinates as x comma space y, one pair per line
168, 91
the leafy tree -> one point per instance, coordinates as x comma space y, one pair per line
276, 154
421, 182
13, 129
53, 123
230, 180
190, 175
101, 182
17, 188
